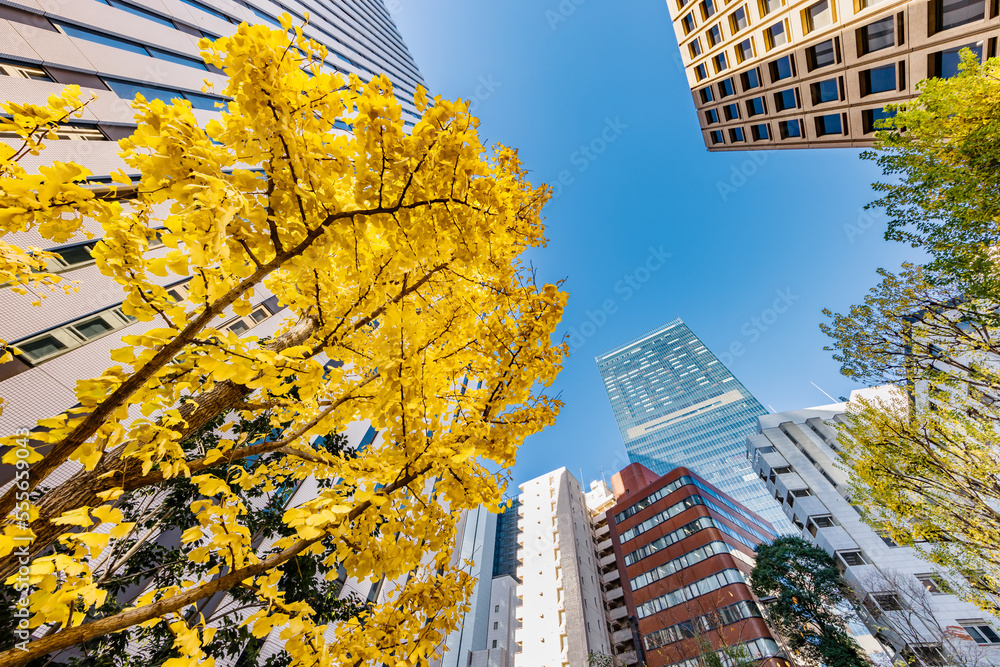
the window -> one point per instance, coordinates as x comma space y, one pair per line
206, 9
953, 13
776, 35
688, 23
781, 68
944, 64
716, 137
720, 63
865, 4
707, 9
825, 91
726, 88
138, 12
768, 6
878, 80
817, 522
785, 99
731, 111
760, 132
934, 584
870, 117
711, 117
71, 336
887, 601
706, 95
750, 79
738, 20
24, 72
788, 129
125, 45
801, 493
494, 643
700, 71
818, 16
755, 106
744, 50
71, 257
821, 55
981, 632
784, 470
243, 324
877, 36
850, 559
128, 91
496, 624
694, 48
736, 134
715, 35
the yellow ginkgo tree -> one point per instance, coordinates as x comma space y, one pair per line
398, 255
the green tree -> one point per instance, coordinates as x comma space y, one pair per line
808, 596
941, 153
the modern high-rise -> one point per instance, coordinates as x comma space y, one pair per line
676, 405
768, 74
907, 602
114, 49
505, 550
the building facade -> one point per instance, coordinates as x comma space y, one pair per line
768, 74
676, 404
905, 600
561, 598
114, 49
684, 551
505, 551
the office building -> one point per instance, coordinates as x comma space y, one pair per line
562, 609
114, 49
505, 550
677, 405
684, 551
768, 74
906, 601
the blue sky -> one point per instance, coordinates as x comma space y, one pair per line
594, 96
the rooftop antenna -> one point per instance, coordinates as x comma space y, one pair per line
824, 393
603, 478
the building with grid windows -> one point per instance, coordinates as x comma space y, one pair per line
677, 405
684, 551
769, 74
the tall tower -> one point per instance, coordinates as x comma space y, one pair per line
677, 405
817, 73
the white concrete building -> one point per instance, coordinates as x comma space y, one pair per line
905, 599
562, 604
502, 626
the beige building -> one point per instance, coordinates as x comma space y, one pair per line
768, 74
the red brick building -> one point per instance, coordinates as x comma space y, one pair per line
684, 550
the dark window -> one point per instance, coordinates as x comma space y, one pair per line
720, 62
953, 13
714, 35
41, 347
711, 117
738, 20
716, 137
755, 106
818, 16
701, 72
731, 111
781, 69
785, 99
852, 558
688, 23
821, 55
887, 601
825, 91
768, 6
206, 9
869, 117
706, 95
789, 128
93, 327
707, 9
750, 79
726, 88
934, 584
140, 12
944, 64
982, 633
695, 48
823, 521
877, 36
878, 80
736, 134
494, 643
760, 132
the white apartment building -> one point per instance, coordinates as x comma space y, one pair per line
562, 603
904, 599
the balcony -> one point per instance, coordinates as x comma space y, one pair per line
614, 594
622, 636
603, 531
607, 560
616, 614
610, 576
629, 658
605, 545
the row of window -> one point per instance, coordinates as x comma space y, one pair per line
685, 531
685, 593
678, 564
640, 505
817, 56
794, 129
758, 649
699, 625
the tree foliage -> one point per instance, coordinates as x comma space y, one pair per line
808, 600
397, 255
941, 151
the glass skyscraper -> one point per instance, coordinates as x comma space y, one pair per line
677, 405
